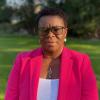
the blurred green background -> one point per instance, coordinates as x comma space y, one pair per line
17, 21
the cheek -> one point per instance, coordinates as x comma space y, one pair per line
61, 39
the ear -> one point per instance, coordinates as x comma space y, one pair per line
65, 31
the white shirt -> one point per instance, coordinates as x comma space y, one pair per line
47, 89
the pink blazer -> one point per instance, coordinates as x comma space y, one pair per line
77, 79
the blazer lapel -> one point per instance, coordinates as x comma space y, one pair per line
35, 66
66, 68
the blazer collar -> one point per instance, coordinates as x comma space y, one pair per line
38, 53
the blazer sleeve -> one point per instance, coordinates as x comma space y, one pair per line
12, 88
89, 85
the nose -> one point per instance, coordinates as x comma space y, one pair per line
50, 34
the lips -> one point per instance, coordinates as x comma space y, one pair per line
50, 43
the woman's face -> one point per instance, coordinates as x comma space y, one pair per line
52, 32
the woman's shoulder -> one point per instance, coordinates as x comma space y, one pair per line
77, 55
80, 59
30, 53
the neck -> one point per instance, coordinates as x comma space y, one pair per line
52, 54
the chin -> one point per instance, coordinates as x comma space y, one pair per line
51, 49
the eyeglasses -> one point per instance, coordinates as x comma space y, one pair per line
57, 30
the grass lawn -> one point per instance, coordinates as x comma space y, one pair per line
10, 46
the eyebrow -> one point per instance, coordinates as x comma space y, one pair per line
52, 27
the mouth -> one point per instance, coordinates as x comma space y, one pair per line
50, 43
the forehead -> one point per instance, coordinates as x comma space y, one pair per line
47, 21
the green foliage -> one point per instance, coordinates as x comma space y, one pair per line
5, 14
30, 2
2, 2
27, 18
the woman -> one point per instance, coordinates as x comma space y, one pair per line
52, 72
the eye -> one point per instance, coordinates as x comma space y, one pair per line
55, 29
46, 30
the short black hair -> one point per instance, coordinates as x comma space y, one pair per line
53, 12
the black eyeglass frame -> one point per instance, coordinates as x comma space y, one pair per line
57, 30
